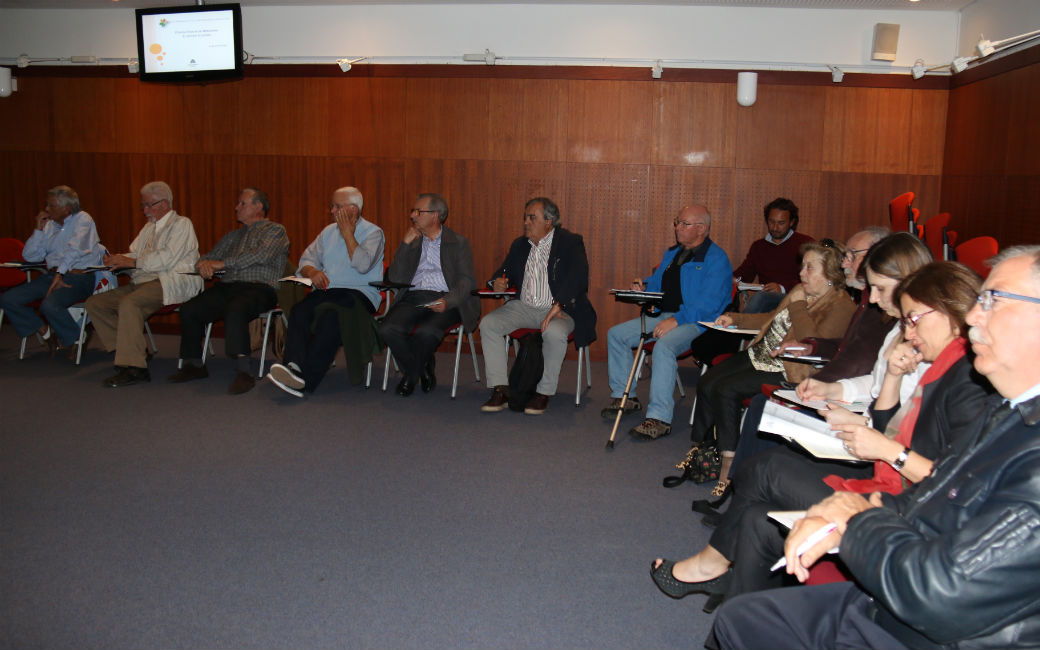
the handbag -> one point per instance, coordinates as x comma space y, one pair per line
701, 465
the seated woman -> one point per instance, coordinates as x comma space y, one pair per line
884, 267
934, 421
817, 307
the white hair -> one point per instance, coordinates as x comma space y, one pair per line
353, 196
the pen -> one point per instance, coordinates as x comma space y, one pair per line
809, 542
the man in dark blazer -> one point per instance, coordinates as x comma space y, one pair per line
438, 263
954, 560
550, 272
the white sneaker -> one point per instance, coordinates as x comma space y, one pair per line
285, 379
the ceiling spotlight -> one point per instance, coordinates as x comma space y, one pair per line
346, 64
984, 47
960, 63
23, 60
132, 66
656, 71
836, 73
918, 70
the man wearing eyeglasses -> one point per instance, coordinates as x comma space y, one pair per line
438, 263
954, 560
695, 276
161, 260
340, 264
774, 260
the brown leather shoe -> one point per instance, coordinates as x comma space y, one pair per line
537, 404
498, 401
243, 383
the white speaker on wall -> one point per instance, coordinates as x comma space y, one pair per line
886, 41
747, 88
6, 86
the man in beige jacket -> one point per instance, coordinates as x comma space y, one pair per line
162, 272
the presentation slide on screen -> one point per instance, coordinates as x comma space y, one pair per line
189, 41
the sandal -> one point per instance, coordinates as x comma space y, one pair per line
632, 405
651, 429
672, 586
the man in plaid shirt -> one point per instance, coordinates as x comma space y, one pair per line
248, 261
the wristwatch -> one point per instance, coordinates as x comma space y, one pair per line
900, 460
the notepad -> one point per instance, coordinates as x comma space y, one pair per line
815, 436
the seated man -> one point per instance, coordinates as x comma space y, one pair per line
252, 258
954, 560
67, 241
340, 263
161, 258
694, 276
774, 259
550, 272
438, 263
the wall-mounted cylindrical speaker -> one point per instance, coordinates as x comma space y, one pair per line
747, 88
5, 82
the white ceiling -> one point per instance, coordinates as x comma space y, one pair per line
920, 5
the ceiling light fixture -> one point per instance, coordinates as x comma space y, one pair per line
985, 47
960, 63
836, 73
657, 70
487, 57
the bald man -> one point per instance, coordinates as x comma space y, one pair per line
696, 278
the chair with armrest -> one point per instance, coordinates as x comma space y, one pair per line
583, 358
933, 233
10, 251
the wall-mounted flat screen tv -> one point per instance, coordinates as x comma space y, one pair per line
196, 43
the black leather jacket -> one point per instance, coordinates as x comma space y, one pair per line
955, 563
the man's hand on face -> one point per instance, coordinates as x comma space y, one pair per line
411, 234
346, 218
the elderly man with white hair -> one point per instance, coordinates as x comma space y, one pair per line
161, 259
953, 561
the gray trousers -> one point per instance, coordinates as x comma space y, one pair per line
514, 315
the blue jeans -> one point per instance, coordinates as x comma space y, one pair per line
15, 303
623, 337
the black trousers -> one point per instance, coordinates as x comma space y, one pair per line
778, 479
236, 303
413, 333
823, 617
719, 394
313, 349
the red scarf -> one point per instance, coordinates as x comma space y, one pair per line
886, 478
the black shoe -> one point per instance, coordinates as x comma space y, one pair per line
405, 388
712, 519
428, 376
188, 372
672, 586
127, 376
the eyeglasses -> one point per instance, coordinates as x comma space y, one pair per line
987, 296
853, 252
911, 321
685, 224
146, 206
418, 211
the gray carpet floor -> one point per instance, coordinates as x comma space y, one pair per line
178, 516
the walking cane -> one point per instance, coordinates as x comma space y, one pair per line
643, 336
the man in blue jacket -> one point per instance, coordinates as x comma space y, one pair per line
952, 562
696, 278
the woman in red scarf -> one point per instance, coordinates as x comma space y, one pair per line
934, 301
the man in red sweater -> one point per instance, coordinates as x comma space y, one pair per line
775, 259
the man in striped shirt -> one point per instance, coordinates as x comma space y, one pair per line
550, 272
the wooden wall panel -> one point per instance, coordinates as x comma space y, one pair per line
927, 132
783, 130
694, 124
447, 118
528, 119
365, 117
609, 121
671, 188
26, 116
1023, 148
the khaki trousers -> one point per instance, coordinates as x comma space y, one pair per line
119, 317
